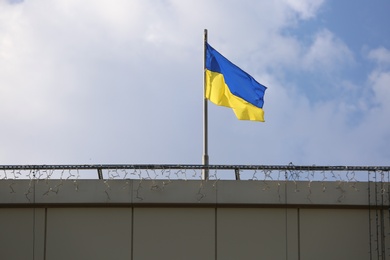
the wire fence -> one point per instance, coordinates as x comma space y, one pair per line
288, 172
186, 172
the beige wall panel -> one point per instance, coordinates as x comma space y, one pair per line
250, 233
39, 233
16, 233
165, 191
174, 233
16, 191
327, 193
88, 233
83, 191
379, 237
251, 192
292, 234
336, 234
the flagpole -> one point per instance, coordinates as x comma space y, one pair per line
205, 172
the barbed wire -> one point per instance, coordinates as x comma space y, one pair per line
177, 171
269, 178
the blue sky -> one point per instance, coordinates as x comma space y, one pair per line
121, 81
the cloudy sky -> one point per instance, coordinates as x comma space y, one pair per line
119, 81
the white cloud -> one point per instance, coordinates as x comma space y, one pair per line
379, 78
305, 8
381, 55
380, 81
327, 52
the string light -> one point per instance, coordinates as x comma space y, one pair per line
269, 177
200, 195
107, 189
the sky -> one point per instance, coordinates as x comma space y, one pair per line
121, 82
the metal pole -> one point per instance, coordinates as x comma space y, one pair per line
100, 173
205, 172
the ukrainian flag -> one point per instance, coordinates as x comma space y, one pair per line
227, 85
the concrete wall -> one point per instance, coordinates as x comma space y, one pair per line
192, 220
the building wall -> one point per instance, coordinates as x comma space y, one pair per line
192, 220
